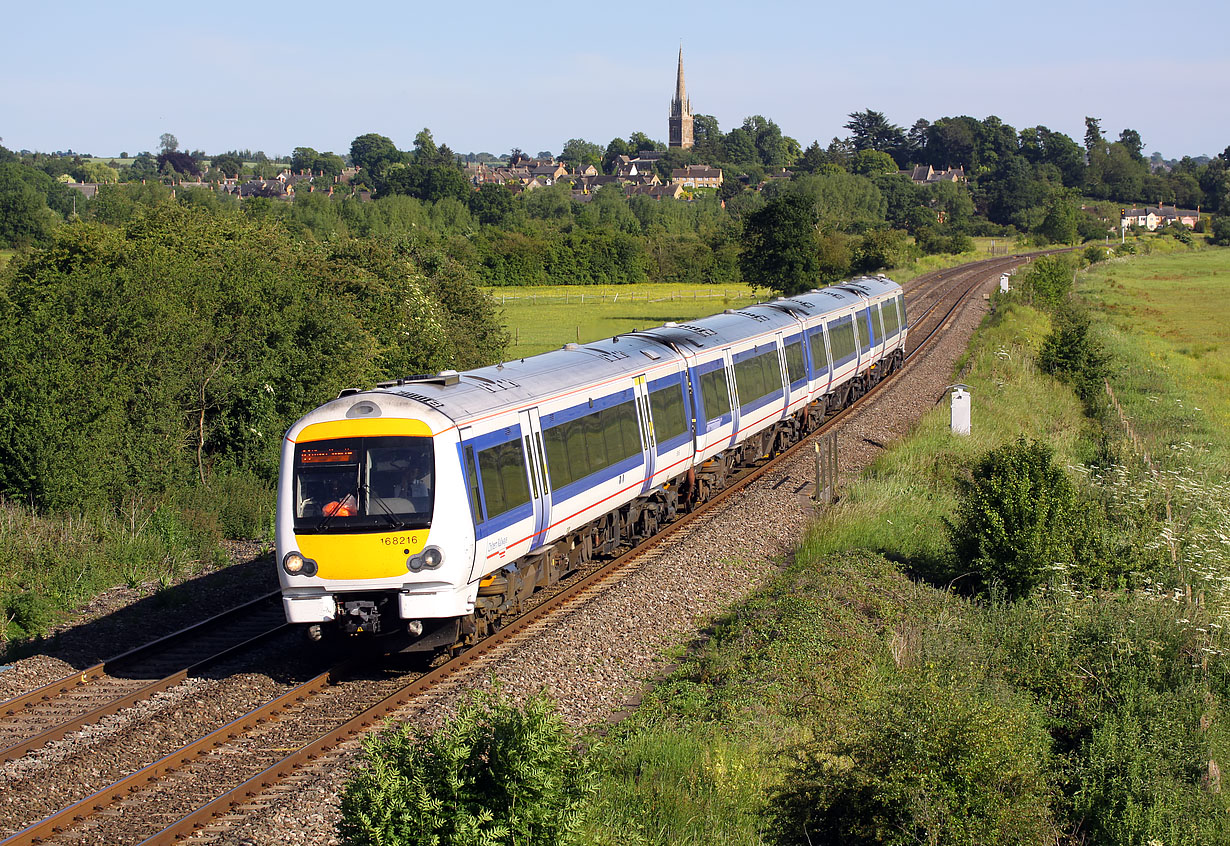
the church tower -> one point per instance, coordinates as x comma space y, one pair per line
681, 112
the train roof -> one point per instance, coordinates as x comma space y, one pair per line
473, 394
480, 392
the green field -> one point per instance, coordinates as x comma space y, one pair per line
542, 318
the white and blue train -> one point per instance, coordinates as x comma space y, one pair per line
432, 507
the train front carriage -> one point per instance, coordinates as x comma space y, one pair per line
372, 532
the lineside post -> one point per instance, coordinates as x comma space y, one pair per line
826, 469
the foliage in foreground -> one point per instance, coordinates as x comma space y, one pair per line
495, 773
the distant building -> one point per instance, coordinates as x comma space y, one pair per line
680, 122
1154, 218
697, 176
927, 175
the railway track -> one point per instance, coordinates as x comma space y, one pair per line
243, 763
51, 712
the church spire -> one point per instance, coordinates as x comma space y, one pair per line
681, 90
680, 121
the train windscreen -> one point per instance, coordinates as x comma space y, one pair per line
364, 484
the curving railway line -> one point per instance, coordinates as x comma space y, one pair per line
218, 779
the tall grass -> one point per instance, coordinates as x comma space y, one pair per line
52, 563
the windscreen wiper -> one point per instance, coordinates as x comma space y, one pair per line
389, 514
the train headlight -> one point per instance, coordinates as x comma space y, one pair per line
296, 565
430, 558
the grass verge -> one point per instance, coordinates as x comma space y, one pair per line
846, 702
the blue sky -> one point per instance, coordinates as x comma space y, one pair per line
110, 77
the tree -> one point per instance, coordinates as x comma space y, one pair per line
1093, 133
303, 160
638, 141
813, 157
578, 153
739, 147
1014, 515
618, 147
172, 163
872, 162
24, 216
779, 245
1060, 225
372, 152
491, 204
229, 163
167, 143
100, 172
1221, 231
871, 130
1130, 139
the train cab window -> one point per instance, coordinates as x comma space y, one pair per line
714, 393
503, 471
796, 370
364, 484
666, 406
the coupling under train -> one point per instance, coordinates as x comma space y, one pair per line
433, 507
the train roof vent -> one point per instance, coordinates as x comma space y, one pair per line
670, 324
348, 392
650, 354
444, 377
572, 346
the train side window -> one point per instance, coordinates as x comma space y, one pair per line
870, 335
795, 368
841, 336
819, 355
503, 470
891, 321
595, 441
757, 377
666, 405
715, 393
472, 484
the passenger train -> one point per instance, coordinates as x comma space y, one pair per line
432, 507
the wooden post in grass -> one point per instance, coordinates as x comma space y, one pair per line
826, 469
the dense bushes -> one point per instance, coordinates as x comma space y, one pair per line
493, 774
945, 759
1020, 518
185, 342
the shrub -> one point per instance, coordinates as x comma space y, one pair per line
1072, 354
932, 760
1048, 281
1221, 231
493, 774
1011, 525
1094, 253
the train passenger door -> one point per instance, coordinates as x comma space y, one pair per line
649, 447
540, 490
